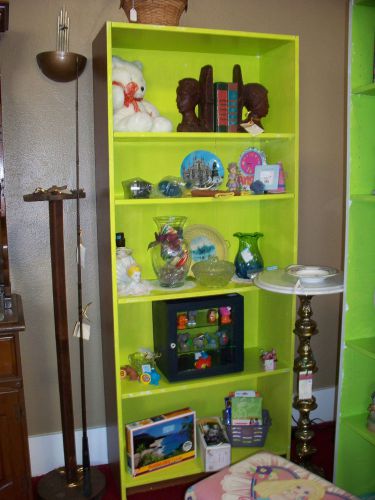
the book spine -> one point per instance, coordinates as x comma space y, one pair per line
232, 107
220, 107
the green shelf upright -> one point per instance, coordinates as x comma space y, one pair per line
355, 444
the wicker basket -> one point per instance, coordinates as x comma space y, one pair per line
249, 435
166, 12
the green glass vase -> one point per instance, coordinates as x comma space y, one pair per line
248, 259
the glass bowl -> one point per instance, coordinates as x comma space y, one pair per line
213, 272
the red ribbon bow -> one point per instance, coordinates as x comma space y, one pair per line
129, 90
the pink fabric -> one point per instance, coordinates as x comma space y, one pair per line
265, 476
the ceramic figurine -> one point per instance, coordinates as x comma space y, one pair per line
124, 260
225, 318
188, 98
232, 183
182, 321
371, 417
203, 362
212, 316
269, 359
192, 319
155, 377
223, 338
198, 342
211, 342
183, 340
136, 285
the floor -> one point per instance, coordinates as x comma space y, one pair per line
323, 440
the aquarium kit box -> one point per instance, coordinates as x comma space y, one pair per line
214, 445
160, 441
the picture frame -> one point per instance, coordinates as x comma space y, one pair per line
269, 175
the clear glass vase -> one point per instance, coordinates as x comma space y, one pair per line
170, 252
248, 260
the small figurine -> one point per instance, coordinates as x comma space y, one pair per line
192, 319
128, 371
232, 183
212, 316
211, 342
199, 341
182, 321
223, 338
269, 359
371, 417
136, 286
184, 342
225, 318
203, 362
155, 377
124, 260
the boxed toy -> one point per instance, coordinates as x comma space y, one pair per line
214, 445
160, 441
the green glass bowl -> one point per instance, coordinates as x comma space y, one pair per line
213, 273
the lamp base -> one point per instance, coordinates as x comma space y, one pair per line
53, 486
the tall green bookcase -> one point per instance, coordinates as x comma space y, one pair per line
168, 55
355, 445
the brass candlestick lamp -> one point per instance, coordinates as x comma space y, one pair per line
70, 481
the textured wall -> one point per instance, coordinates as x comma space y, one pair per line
39, 151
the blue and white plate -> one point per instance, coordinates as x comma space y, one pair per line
202, 169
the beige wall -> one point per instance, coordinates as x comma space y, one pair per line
39, 151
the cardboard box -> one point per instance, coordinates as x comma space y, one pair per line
160, 441
214, 445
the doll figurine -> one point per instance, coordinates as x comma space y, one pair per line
124, 260
371, 417
136, 285
225, 318
232, 183
182, 321
188, 98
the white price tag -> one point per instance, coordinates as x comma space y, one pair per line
82, 250
85, 330
305, 385
133, 15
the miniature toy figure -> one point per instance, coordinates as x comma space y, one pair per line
225, 318
184, 342
212, 316
128, 371
182, 321
155, 377
232, 183
136, 286
371, 417
188, 98
198, 342
203, 362
223, 338
192, 319
124, 260
269, 359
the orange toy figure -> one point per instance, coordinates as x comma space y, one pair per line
182, 321
225, 318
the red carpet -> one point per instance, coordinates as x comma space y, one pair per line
323, 440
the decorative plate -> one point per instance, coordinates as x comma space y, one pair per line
311, 274
204, 242
202, 169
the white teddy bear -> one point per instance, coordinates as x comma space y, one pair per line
131, 113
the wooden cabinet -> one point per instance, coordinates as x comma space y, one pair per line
170, 54
355, 444
15, 477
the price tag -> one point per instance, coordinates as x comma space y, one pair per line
133, 15
85, 330
305, 385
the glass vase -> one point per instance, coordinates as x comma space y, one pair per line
248, 260
170, 252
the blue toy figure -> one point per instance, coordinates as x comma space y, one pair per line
155, 377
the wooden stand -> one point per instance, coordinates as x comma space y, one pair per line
66, 482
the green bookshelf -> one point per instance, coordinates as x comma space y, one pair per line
168, 55
355, 445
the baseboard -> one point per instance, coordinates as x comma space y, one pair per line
46, 451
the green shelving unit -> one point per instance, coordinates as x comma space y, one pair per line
355, 444
168, 55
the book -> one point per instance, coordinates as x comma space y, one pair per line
225, 107
246, 410
220, 107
